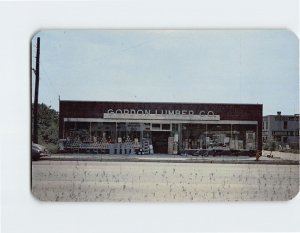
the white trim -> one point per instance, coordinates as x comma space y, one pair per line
170, 117
222, 122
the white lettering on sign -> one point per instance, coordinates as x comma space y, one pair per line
160, 112
124, 116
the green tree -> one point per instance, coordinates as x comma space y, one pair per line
47, 126
272, 147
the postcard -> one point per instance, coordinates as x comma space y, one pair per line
165, 115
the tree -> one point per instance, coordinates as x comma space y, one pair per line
47, 126
272, 147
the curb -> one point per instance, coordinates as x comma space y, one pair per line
173, 160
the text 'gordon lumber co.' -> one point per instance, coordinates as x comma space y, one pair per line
160, 117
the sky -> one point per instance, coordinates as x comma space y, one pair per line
193, 66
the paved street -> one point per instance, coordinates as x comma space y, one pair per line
277, 158
115, 181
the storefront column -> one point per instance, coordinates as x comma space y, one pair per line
90, 131
256, 137
141, 132
116, 136
64, 129
206, 136
126, 129
179, 137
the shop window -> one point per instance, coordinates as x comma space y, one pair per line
175, 127
219, 137
161, 127
155, 126
165, 126
147, 126
147, 134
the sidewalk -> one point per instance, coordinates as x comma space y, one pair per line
170, 159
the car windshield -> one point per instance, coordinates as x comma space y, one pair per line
37, 146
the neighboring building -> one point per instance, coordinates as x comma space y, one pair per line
163, 127
284, 129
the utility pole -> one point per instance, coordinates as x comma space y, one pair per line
36, 92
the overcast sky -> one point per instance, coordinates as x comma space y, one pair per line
198, 66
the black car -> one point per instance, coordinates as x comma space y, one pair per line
38, 151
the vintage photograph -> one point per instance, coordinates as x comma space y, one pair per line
164, 115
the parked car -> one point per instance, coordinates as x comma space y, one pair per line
38, 151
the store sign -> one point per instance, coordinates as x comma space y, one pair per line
167, 112
160, 115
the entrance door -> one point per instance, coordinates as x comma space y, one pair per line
160, 142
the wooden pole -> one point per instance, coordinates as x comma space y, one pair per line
36, 93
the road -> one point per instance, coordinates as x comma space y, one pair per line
162, 182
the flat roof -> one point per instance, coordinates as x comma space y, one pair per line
294, 115
147, 102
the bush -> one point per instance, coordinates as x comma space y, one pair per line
47, 127
53, 148
272, 145
265, 146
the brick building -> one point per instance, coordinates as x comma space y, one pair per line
162, 127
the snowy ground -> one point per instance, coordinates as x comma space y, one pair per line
167, 182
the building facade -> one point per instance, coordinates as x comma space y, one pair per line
283, 129
161, 127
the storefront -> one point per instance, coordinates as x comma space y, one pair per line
173, 128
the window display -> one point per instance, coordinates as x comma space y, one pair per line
197, 137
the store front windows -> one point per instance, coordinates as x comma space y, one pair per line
165, 138
218, 137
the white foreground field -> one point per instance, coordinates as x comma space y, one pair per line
163, 182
